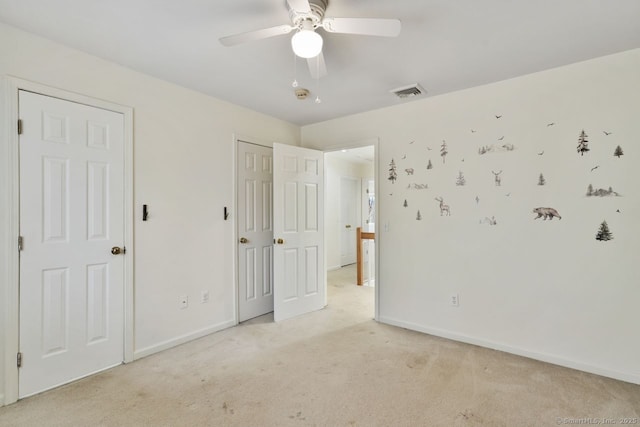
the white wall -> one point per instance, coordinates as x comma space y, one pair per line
335, 168
183, 169
544, 289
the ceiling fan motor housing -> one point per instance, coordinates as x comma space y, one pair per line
302, 93
318, 8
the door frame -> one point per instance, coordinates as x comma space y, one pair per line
376, 182
237, 138
10, 222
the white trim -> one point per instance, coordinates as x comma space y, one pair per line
173, 342
9, 193
543, 357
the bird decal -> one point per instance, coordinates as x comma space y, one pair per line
501, 138
594, 168
551, 124
607, 133
497, 117
541, 153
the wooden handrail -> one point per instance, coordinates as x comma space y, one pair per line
360, 236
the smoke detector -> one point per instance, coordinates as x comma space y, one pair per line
409, 91
302, 93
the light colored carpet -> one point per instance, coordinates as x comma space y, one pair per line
334, 367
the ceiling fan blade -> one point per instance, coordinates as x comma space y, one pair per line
237, 39
317, 67
300, 6
364, 26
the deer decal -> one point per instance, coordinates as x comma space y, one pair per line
443, 208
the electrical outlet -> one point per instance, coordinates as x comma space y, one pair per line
455, 300
183, 302
204, 297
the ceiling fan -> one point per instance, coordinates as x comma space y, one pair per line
307, 16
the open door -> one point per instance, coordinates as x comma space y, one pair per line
298, 222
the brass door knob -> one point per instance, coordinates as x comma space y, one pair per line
116, 250
280, 241
244, 240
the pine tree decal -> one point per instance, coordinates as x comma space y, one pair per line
541, 180
418, 216
429, 165
590, 190
583, 143
603, 233
405, 204
443, 150
393, 175
618, 152
461, 181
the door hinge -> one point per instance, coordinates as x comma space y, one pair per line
19, 360
124, 250
19, 126
19, 243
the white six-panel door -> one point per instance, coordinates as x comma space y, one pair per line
299, 271
71, 216
255, 230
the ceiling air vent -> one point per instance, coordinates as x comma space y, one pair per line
409, 91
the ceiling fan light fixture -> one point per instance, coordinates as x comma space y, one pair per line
306, 44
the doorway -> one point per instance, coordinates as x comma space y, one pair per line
69, 305
350, 196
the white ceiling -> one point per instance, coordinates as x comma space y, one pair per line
444, 45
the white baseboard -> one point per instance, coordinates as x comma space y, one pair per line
147, 351
549, 358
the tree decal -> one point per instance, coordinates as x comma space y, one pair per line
583, 143
604, 233
429, 165
618, 152
443, 150
460, 181
393, 175
405, 204
541, 180
418, 216
590, 190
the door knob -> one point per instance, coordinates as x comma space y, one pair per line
244, 240
117, 251
280, 241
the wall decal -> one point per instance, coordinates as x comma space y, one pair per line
604, 233
473, 131
428, 148
541, 180
495, 149
443, 208
409, 171
443, 150
404, 157
507, 195
418, 216
607, 133
405, 204
461, 181
618, 210
497, 180
541, 153
498, 117
595, 167
618, 152
393, 175
583, 143
411, 142
490, 221
546, 213
477, 200
415, 186
551, 124
429, 165
601, 192
501, 138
